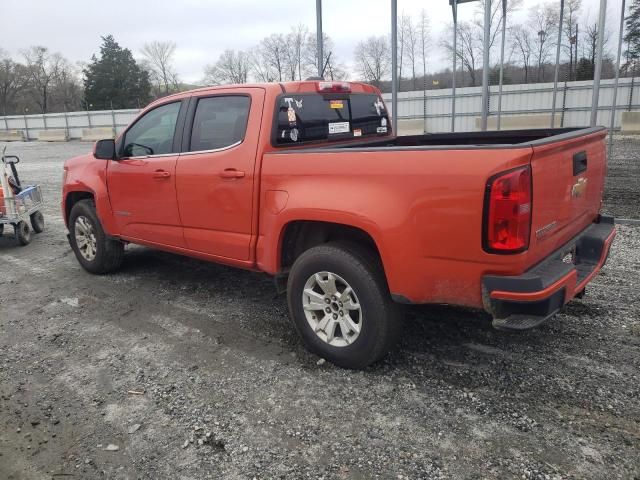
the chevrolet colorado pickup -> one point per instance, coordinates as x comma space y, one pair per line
307, 182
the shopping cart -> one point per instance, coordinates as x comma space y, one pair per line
19, 204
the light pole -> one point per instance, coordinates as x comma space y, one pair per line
501, 80
394, 66
555, 75
617, 78
319, 37
598, 66
485, 64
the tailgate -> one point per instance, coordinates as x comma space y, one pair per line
568, 174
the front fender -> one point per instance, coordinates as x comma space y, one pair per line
90, 176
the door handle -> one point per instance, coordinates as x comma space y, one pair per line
232, 173
161, 174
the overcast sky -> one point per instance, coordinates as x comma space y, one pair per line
202, 29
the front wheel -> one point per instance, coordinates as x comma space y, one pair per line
340, 304
23, 233
96, 252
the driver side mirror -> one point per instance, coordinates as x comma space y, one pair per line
105, 149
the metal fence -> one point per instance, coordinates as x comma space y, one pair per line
573, 104
73, 122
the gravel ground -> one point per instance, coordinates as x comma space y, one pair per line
622, 192
179, 369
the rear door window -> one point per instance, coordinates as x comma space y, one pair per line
307, 118
219, 122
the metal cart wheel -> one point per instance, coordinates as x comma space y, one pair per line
23, 232
37, 221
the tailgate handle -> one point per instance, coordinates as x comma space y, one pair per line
579, 163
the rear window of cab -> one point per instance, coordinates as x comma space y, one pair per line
312, 117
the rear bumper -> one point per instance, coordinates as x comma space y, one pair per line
524, 301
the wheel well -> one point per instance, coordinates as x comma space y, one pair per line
300, 236
72, 199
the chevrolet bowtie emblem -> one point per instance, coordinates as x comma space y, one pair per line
579, 188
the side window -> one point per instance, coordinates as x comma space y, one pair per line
153, 133
219, 122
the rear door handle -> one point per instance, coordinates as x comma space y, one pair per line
579, 162
161, 174
231, 173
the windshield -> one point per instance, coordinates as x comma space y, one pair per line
304, 118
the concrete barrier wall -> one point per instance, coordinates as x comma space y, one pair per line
630, 122
97, 133
520, 122
410, 127
12, 136
53, 136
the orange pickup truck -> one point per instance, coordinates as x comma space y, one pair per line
307, 182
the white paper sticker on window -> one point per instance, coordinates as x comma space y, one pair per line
339, 127
381, 129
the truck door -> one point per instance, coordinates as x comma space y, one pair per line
215, 173
142, 182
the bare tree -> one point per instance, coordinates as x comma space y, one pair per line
469, 48
232, 67
159, 62
13, 79
570, 24
410, 38
42, 70
591, 42
523, 47
66, 91
471, 35
423, 29
372, 59
295, 43
272, 52
333, 69
544, 20
401, 44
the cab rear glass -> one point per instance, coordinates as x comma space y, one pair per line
313, 117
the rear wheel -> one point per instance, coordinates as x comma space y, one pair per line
37, 221
96, 252
1, 228
340, 304
23, 233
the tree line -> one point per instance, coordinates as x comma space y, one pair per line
41, 81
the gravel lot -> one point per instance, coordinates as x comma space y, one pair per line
179, 369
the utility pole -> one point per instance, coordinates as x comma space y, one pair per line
555, 75
615, 82
598, 66
319, 38
394, 65
504, 31
485, 65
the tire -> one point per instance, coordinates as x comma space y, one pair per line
23, 233
96, 252
37, 221
378, 318
1, 228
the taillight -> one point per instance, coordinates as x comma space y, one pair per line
334, 87
507, 212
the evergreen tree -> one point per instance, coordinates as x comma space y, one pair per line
115, 78
632, 37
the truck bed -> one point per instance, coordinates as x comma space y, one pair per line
508, 138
